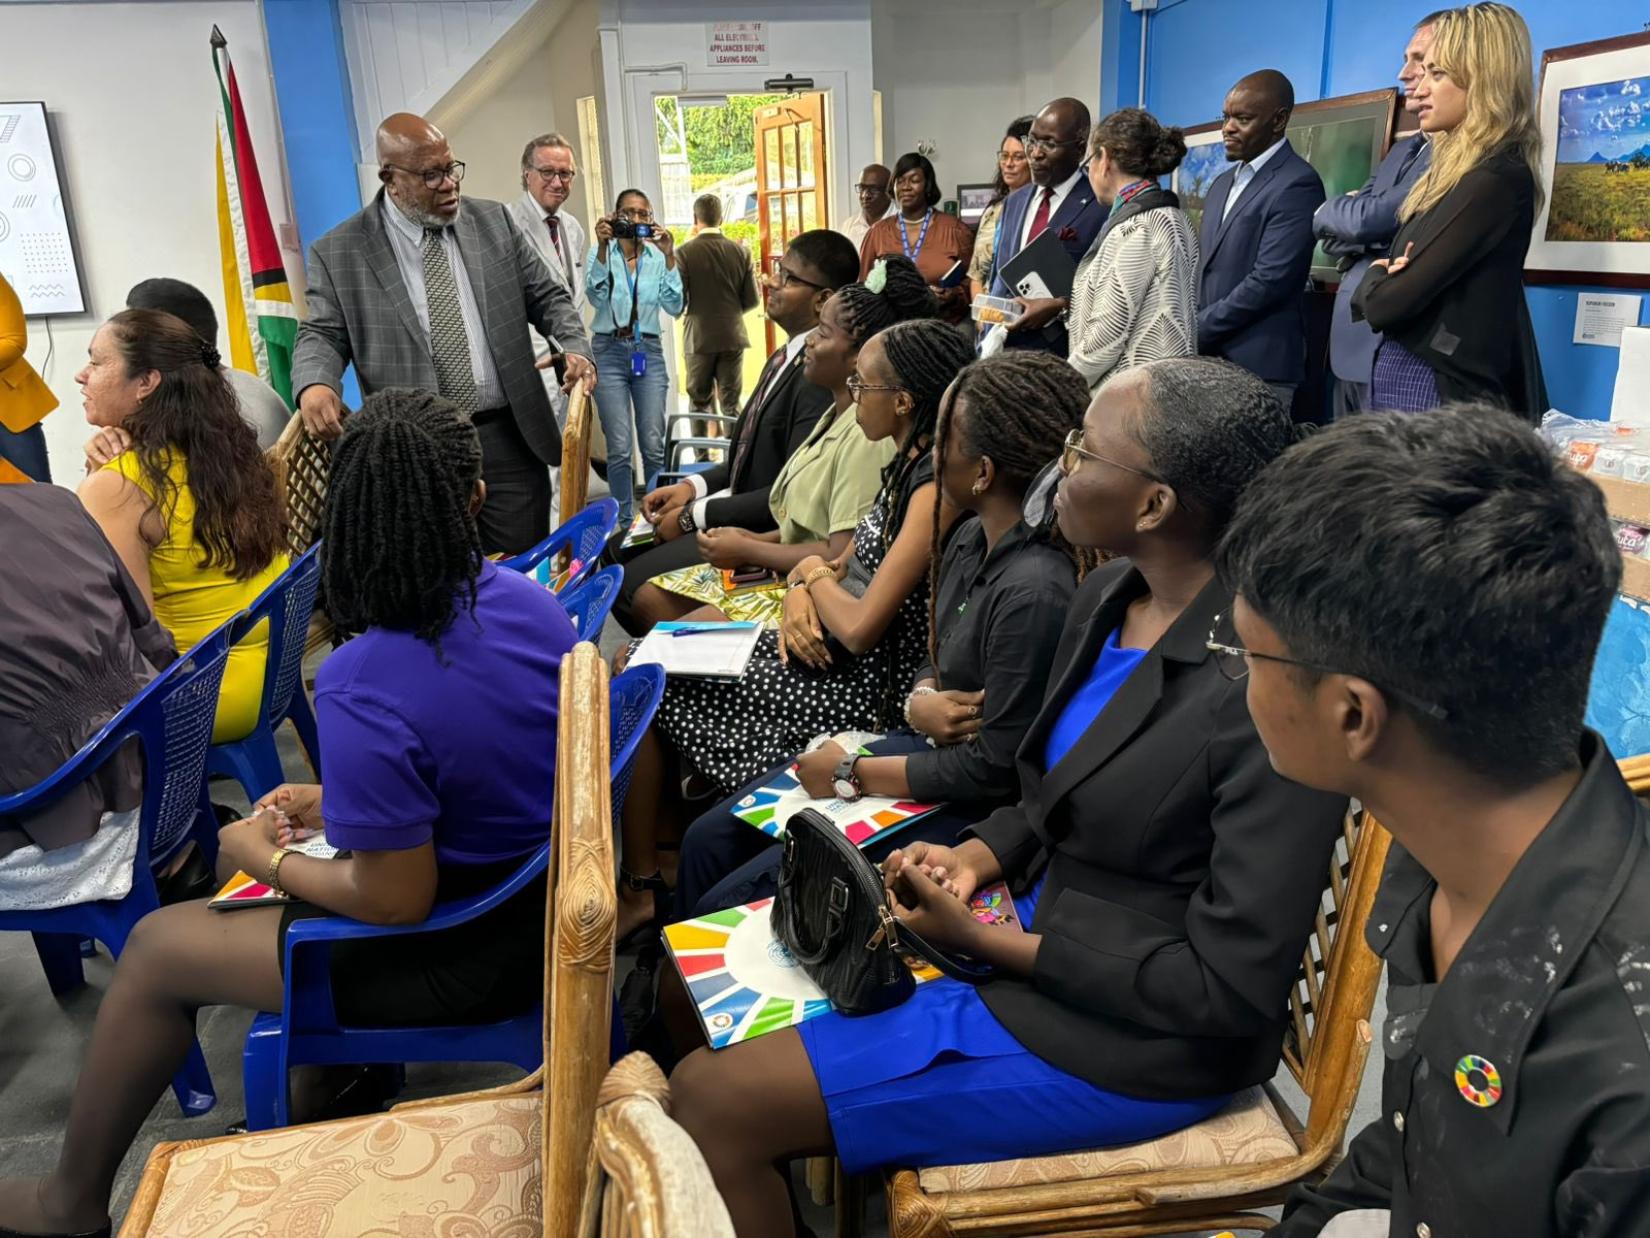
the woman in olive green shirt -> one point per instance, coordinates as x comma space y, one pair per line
826, 486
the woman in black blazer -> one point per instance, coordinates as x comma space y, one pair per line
1167, 875
1450, 299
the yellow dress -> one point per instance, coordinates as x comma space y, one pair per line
192, 601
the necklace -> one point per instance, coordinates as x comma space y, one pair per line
905, 240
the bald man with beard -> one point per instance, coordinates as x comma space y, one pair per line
428, 290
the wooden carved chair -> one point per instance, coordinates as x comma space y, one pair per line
303, 464
1213, 1175
575, 455
509, 1160
646, 1178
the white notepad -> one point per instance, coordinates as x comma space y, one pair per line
703, 651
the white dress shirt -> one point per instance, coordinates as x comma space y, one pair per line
793, 346
1061, 191
567, 265
855, 227
407, 244
1246, 173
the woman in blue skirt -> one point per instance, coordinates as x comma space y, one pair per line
1166, 877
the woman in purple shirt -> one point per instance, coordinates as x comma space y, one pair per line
438, 723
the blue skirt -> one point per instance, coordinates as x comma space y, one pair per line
938, 1081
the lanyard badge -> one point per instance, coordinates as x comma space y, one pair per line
638, 364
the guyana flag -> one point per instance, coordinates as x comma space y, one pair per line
263, 323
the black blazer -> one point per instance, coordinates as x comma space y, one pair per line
789, 410
1459, 303
1183, 874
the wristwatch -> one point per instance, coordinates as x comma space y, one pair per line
685, 521
844, 781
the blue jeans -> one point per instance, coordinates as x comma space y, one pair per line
617, 391
27, 451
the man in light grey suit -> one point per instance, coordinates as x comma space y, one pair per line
1358, 227
419, 292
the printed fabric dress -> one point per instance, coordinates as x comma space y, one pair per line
731, 730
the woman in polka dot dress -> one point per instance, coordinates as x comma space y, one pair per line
853, 632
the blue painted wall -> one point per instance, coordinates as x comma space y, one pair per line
1197, 48
306, 57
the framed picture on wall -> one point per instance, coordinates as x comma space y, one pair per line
972, 201
1594, 109
1344, 139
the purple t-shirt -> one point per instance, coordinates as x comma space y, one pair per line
459, 748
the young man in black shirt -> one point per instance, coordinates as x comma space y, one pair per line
1419, 599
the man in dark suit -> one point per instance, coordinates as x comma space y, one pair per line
1358, 227
417, 292
781, 411
1058, 197
720, 288
1256, 239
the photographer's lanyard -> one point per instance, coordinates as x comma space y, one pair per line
904, 241
638, 358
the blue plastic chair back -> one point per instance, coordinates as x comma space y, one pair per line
590, 603
307, 1030
287, 604
172, 719
584, 537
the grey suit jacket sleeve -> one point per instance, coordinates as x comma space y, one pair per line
549, 306
322, 350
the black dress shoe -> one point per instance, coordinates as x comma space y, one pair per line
194, 879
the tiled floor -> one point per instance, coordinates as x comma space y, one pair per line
42, 1040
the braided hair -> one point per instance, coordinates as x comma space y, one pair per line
1021, 405
926, 357
905, 296
401, 543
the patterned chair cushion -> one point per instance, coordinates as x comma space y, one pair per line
470, 1170
1246, 1132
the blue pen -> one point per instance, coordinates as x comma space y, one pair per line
694, 629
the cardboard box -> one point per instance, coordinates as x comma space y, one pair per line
1629, 500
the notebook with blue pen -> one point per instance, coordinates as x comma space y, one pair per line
699, 650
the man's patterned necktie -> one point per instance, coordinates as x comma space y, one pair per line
449, 343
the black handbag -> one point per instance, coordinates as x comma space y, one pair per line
832, 915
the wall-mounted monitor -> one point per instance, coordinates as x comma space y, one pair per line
38, 256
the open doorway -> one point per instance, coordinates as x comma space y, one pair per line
710, 144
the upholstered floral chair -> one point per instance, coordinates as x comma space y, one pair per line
504, 1163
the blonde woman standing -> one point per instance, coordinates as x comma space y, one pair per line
1456, 269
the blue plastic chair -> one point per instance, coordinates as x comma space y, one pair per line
172, 719
584, 537
307, 1030
287, 604
589, 605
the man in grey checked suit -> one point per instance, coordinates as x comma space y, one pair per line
417, 292
1358, 227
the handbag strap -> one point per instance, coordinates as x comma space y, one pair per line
955, 967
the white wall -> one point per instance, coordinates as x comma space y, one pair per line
958, 82
132, 97
537, 96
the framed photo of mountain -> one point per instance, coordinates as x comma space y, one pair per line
1594, 109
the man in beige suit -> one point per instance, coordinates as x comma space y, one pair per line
720, 288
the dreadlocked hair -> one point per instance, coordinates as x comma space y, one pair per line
1020, 405
905, 296
239, 523
926, 357
401, 548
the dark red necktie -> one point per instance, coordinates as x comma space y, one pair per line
1039, 221
555, 239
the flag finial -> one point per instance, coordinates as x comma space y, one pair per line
217, 38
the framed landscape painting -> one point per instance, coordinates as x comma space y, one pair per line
1594, 108
1342, 138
